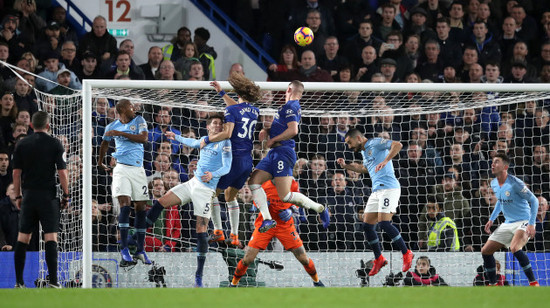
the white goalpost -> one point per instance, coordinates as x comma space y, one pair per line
439, 122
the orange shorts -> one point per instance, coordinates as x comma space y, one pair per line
287, 235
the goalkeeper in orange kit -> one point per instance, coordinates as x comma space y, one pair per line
285, 231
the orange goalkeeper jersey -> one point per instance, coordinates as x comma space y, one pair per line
275, 203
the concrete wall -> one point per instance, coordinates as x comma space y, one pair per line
228, 52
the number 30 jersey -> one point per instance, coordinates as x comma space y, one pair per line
245, 117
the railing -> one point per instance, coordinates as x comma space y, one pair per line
79, 24
233, 31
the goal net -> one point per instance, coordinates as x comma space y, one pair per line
449, 134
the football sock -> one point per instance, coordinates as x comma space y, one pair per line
260, 199
525, 264
311, 270
123, 225
234, 211
301, 200
216, 215
141, 228
394, 234
154, 213
490, 266
239, 272
19, 256
202, 249
372, 239
51, 260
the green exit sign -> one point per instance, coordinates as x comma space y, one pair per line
119, 32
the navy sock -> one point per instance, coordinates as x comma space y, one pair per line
123, 225
141, 227
154, 213
202, 249
373, 240
394, 234
19, 256
490, 266
523, 260
51, 260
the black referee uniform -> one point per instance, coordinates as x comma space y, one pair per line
38, 158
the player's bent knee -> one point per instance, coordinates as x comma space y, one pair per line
254, 186
286, 198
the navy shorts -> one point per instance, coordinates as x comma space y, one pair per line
39, 206
279, 161
241, 167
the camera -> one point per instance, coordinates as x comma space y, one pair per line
363, 272
156, 275
393, 280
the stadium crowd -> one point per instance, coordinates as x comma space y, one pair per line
446, 155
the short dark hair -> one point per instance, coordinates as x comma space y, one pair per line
214, 116
40, 120
122, 104
502, 155
353, 133
122, 52
432, 199
203, 33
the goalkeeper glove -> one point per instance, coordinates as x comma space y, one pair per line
302, 216
285, 215
325, 218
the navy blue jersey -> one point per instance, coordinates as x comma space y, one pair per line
245, 117
289, 112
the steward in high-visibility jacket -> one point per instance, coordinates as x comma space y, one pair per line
442, 234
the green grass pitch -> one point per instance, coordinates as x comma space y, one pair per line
280, 297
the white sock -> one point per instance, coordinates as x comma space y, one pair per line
301, 200
260, 198
234, 211
216, 217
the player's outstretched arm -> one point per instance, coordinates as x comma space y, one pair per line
226, 98
290, 131
190, 142
353, 166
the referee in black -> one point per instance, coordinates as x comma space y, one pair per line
35, 160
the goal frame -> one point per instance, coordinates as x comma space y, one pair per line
90, 84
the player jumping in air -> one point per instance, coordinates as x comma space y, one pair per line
280, 160
382, 204
519, 206
285, 231
214, 162
240, 124
129, 179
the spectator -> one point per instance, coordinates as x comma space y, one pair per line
443, 235
288, 60
98, 41
171, 178
487, 46
459, 30
492, 73
207, 54
89, 69
64, 80
30, 23
527, 26
167, 71
469, 58
544, 58
475, 73
8, 114
23, 97
163, 121
183, 65
161, 164
419, 25
302, 8
388, 66
314, 22
330, 60
394, 49
309, 71
50, 41
341, 204
5, 172
50, 73
482, 279
196, 71
124, 67
432, 67
9, 217
450, 49
518, 73
541, 241
175, 50
59, 15
520, 52
11, 35
68, 56
368, 66
386, 22
434, 10
344, 74
154, 57
354, 48
509, 37
412, 49
110, 65
424, 274
236, 68
316, 181
167, 228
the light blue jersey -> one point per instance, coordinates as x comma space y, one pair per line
374, 153
215, 157
127, 152
513, 200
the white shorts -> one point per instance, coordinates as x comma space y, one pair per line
383, 201
130, 181
505, 232
196, 192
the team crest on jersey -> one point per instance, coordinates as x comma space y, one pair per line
132, 127
507, 193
